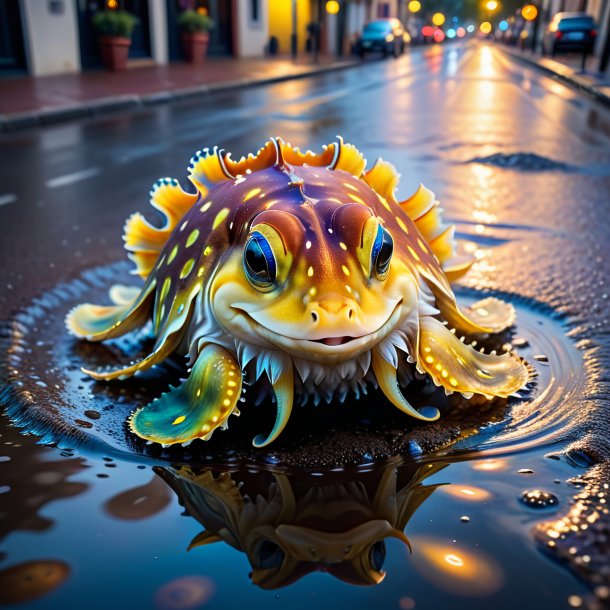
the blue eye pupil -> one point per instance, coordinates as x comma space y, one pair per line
259, 261
381, 255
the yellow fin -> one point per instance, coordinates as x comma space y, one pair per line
349, 159
383, 179
142, 240
208, 168
422, 208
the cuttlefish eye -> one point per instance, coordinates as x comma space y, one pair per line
381, 253
377, 555
269, 555
259, 262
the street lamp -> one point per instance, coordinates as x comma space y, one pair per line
438, 19
332, 7
529, 12
492, 5
414, 6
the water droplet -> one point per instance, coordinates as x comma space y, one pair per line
538, 498
525, 471
575, 601
541, 358
465, 519
415, 448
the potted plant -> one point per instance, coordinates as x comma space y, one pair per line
195, 28
115, 29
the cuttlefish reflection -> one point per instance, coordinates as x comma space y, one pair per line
291, 525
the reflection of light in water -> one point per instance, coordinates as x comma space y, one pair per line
466, 492
456, 569
493, 464
486, 69
30, 580
454, 560
184, 593
484, 217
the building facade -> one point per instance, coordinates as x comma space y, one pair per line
43, 37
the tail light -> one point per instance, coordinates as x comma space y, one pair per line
558, 35
593, 32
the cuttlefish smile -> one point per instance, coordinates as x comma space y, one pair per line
302, 268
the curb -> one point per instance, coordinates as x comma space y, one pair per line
567, 78
10, 123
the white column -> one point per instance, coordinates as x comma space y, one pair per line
51, 37
157, 10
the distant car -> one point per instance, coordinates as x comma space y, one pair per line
386, 35
570, 32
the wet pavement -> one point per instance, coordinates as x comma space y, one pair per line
522, 165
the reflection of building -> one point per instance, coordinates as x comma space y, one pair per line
42, 37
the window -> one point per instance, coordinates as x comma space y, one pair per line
255, 12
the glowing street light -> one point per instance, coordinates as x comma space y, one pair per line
485, 27
332, 7
438, 19
414, 6
492, 5
529, 12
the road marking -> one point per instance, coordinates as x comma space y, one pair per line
9, 198
54, 183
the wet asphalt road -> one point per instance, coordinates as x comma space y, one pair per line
519, 162
65, 191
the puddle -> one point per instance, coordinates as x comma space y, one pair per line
525, 162
350, 497
48, 395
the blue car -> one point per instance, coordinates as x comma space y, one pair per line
387, 36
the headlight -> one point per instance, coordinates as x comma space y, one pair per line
389, 38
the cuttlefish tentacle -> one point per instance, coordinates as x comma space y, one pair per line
101, 322
458, 367
197, 407
169, 339
386, 375
283, 389
488, 316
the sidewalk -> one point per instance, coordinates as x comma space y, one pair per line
567, 69
27, 101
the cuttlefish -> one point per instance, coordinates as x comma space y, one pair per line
303, 268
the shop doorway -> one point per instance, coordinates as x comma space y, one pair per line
221, 37
12, 50
89, 47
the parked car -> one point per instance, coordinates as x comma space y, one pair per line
386, 35
570, 32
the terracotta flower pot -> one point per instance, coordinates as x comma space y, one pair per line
115, 50
195, 46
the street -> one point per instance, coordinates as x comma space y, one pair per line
65, 191
520, 163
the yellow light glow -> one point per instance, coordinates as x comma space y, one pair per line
112, 4
492, 5
438, 19
414, 6
466, 493
529, 12
455, 568
332, 7
490, 465
485, 27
